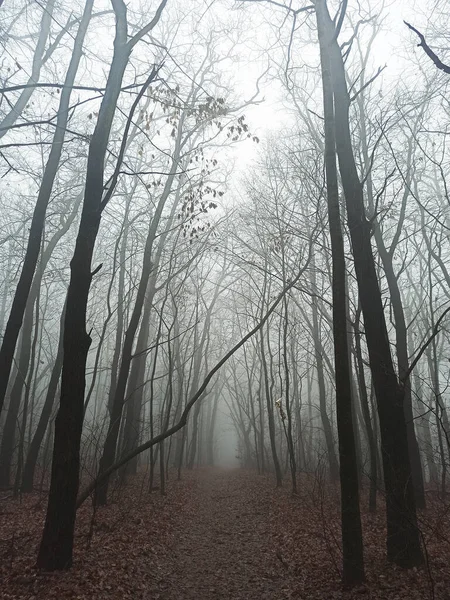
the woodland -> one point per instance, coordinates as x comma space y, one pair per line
224, 299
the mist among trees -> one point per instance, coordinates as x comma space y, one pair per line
224, 299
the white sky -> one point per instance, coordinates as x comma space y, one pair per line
395, 47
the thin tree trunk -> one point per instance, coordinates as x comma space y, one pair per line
373, 469
33, 450
318, 354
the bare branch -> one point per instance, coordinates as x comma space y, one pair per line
201, 390
288, 8
341, 19
423, 44
424, 346
371, 80
140, 34
112, 184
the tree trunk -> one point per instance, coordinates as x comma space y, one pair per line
352, 544
109, 449
403, 540
318, 354
19, 302
10, 427
55, 552
373, 469
270, 413
33, 450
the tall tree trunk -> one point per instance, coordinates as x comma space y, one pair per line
403, 540
287, 396
37, 223
10, 427
318, 354
270, 411
110, 446
26, 400
211, 429
403, 366
373, 469
33, 450
387, 255
56, 548
352, 544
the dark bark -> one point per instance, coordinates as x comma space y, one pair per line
326, 424
28, 269
403, 540
288, 401
400, 326
10, 427
372, 444
352, 544
120, 312
26, 400
9, 430
55, 552
440, 411
270, 412
296, 392
428, 51
387, 255
44, 419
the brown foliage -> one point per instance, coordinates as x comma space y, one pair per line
218, 534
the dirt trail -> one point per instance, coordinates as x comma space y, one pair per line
218, 534
224, 549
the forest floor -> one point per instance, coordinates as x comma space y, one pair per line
218, 534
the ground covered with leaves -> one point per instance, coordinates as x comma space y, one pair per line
217, 534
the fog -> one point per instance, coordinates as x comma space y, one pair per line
224, 243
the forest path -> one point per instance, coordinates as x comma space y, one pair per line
217, 534
223, 550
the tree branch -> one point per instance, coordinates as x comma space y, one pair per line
341, 19
423, 44
436, 330
140, 34
288, 8
371, 80
123, 146
184, 417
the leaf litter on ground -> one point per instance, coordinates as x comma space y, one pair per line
216, 534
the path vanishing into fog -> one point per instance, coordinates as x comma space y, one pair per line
217, 534
224, 550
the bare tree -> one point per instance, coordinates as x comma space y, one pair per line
55, 552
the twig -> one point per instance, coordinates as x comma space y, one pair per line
371, 80
436, 330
